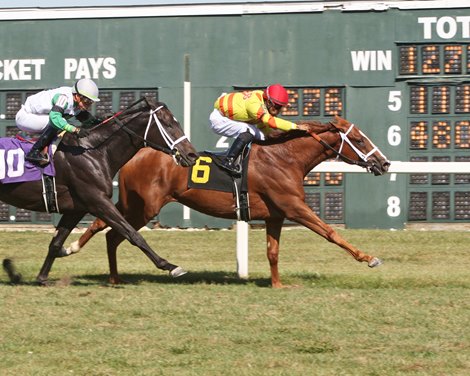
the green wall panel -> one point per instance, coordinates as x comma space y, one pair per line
360, 52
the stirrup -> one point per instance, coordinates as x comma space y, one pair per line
41, 160
231, 167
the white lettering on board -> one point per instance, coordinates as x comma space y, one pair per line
371, 60
90, 68
445, 27
21, 69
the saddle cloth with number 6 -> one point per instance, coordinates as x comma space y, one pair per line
206, 174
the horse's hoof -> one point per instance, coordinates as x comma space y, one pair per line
42, 282
178, 272
375, 262
74, 248
63, 252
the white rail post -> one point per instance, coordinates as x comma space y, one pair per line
187, 117
242, 249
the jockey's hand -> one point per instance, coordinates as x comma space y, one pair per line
82, 132
96, 121
303, 127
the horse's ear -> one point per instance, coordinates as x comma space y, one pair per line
339, 119
339, 123
336, 122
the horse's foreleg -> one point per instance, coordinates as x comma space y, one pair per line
65, 226
111, 215
302, 214
137, 218
273, 234
97, 226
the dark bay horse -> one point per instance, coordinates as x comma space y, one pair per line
275, 183
85, 170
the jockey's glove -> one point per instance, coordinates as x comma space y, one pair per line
81, 132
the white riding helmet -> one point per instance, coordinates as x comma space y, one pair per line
87, 88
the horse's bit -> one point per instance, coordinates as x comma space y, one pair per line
344, 138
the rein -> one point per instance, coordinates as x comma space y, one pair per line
339, 154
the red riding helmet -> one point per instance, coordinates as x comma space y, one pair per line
277, 94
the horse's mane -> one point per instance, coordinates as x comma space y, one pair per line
145, 104
279, 137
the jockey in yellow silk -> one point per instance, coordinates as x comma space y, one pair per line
249, 115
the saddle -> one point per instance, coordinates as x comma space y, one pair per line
208, 173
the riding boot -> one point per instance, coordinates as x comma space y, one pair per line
235, 150
35, 155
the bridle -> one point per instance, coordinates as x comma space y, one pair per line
364, 162
171, 144
166, 137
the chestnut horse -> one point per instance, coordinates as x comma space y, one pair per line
85, 170
276, 171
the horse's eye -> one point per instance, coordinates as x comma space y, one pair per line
361, 142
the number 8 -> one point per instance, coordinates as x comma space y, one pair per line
393, 209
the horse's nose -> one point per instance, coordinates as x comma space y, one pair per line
386, 165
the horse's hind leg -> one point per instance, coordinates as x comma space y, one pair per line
113, 239
65, 226
273, 234
299, 212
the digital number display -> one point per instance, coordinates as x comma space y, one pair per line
434, 59
312, 178
13, 104
408, 60
333, 178
462, 134
468, 58
334, 206
441, 137
462, 99
419, 135
330, 178
333, 101
105, 105
431, 60
125, 99
419, 100
462, 205
292, 109
435, 103
311, 102
440, 100
453, 59
314, 102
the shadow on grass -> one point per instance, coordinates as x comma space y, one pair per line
193, 278
314, 280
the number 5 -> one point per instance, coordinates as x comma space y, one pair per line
394, 100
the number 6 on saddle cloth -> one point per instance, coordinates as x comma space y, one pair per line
208, 173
